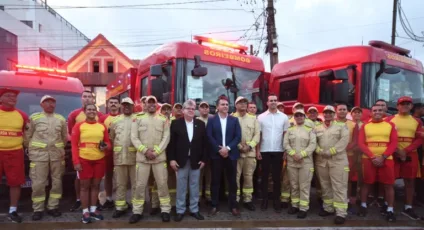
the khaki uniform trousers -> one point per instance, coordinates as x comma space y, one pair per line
334, 183
160, 174
172, 189
205, 177
39, 172
285, 184
124, 174
245, 166
300, 185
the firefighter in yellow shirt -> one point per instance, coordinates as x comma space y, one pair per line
300, 143
332, 165
45, 138
150, 136
205, 174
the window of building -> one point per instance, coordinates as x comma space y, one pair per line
289, 90
2, 8
28, 23
11, 38
144, 84
40, 27
110, 66
96, 66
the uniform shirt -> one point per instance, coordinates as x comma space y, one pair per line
78, 116
204, 119
377, 138
351, 126
12, 126
273, 126
300, 140
250, 133
107, 119
408, 128
86, 137
124, 152
308, 122
333, 139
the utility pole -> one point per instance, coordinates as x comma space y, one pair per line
272, 34
395, 4
251, 49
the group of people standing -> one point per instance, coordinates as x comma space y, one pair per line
171, 152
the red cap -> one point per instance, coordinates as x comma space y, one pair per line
404, 99
8, 90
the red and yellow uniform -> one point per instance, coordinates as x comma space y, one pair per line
409, 140
78, 116
353, 173
107, 121
86, 137
12, 126
377, 139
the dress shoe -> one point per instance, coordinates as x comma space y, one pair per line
249, 206
197, 215
264, 205
165, 217
135, 218
235, 212
213, 212
179, 217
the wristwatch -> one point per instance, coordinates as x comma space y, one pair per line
229, 149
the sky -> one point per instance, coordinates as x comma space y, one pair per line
303, 26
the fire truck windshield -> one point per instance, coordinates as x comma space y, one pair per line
224, 80
29, 101
405, 83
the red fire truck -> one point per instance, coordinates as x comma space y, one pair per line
173, 74
356, 75
35, 82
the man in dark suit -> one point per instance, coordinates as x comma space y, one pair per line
224, 134
187, 156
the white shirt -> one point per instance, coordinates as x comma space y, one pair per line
273, 125
190, 130
223, 128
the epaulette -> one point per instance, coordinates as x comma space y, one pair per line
60, 117
292, 127
339, 123
172, 118
307, 127
118, 118
235, 114
140, 115
36, 116
251, 115
162, 117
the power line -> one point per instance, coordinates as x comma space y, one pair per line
406, 25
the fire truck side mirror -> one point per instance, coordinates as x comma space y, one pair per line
198, 70
385, 69
156, 70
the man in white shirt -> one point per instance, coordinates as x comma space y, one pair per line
274, 125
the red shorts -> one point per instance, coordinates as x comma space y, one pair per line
109, 162
12, 164
408, 169
353, 170
384, 175
92, 169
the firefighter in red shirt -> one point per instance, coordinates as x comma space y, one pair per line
74, 117
406, 156
89, 141
113, 106
12, 125
378, 140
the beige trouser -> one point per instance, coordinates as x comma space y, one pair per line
206, 172
334, 182
285, 184
160, 174
300, 185
172, 189
124, 174
245, 166
39, 172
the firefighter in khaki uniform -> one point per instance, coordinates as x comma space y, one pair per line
285, 180
165, 110
45, 138
332, 165
246, 164
150, 136
205, 173
124, 154
312, 114
300, 144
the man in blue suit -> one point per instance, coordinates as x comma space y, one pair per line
224, 134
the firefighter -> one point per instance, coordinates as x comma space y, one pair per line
341, 114
300, 106
177, 111
165, 110
285, 180
124, 154
300, 143
45, 139
246, 164
205, 173
356, 114
312, 114
143, 104
406, 156
378, 140
113, 106
75, 117
332, 165
150, 136
12, 125
251, 108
